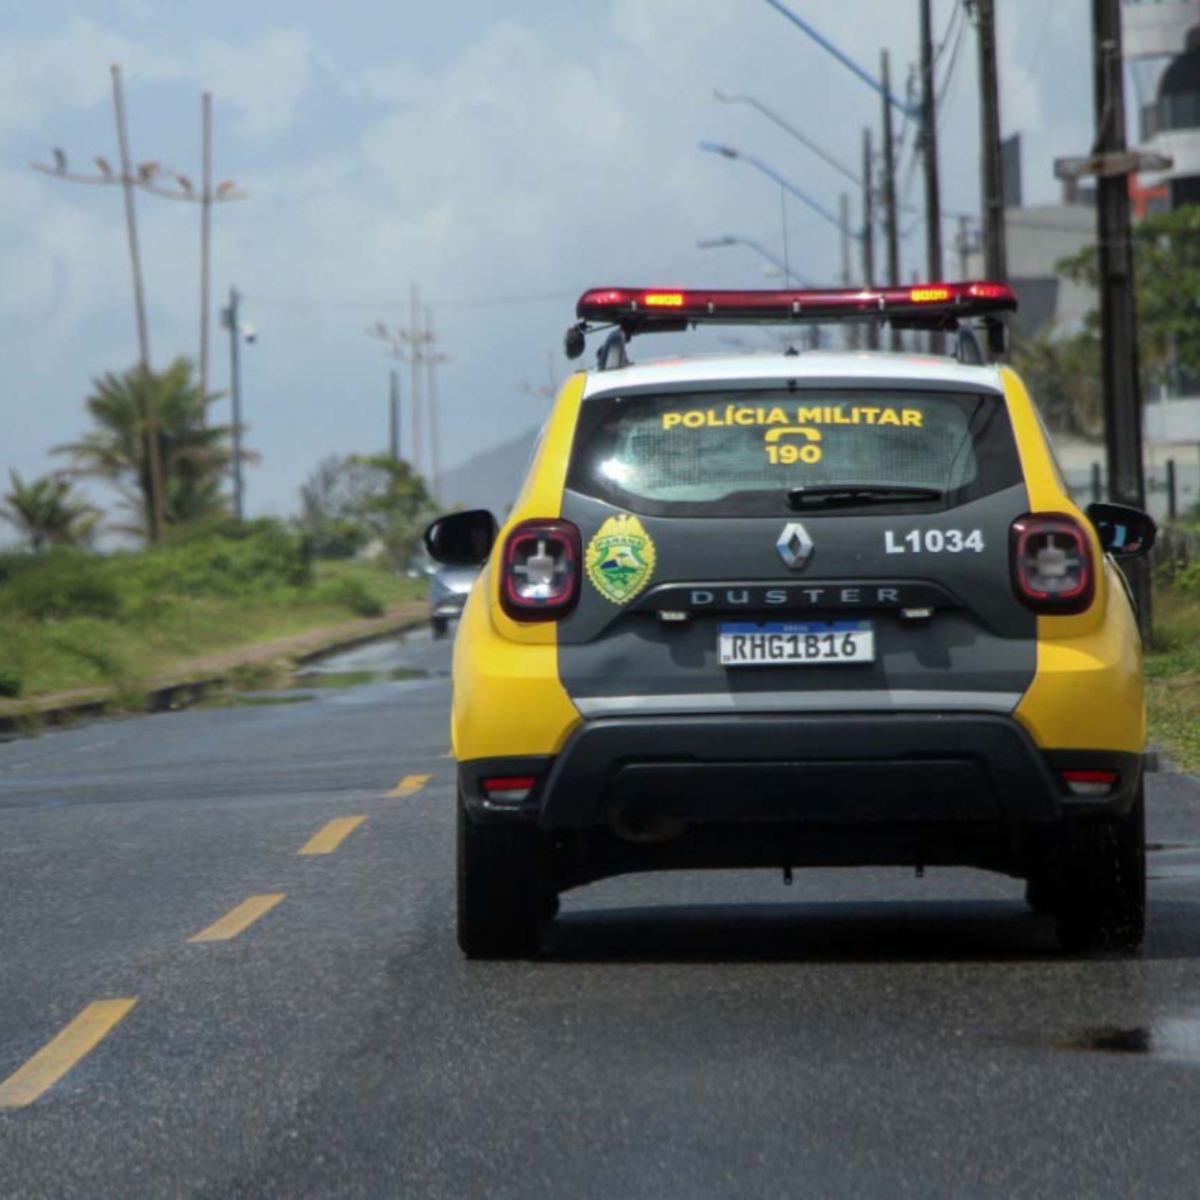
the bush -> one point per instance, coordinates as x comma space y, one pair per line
61, 585
13, 561
352, 594
221, 559
10, 683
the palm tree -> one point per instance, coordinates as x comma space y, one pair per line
196, 456
47, 512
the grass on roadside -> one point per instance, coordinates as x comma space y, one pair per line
116, 622
1173, 677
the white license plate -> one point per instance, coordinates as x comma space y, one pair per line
788, 643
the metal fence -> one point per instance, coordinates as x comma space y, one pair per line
1172, 489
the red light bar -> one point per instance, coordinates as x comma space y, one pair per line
929, 303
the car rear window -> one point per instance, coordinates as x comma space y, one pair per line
739, 452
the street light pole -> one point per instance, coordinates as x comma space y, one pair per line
789, 128
786, 270
771, 173
151, 180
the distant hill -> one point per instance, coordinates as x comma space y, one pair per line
491, 479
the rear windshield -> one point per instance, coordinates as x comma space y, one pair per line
740, 452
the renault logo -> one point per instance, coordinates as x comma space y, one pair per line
794, 546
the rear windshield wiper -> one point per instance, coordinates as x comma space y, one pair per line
830, 495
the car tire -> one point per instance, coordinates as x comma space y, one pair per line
1102, 893
440, 627
498, 894
1041, 894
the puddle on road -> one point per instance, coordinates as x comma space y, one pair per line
337, 680
1171, 1039
251, 699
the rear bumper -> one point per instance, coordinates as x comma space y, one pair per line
880, 769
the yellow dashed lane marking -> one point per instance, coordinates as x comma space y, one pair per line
409, 784
332, 836
242, 917
60, 1054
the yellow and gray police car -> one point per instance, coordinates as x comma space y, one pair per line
795, 609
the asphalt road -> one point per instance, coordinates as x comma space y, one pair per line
860, 1034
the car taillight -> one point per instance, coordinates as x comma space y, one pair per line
1052, 564
508, 789
540, 580
1090, 783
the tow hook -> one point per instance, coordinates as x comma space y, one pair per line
787, 876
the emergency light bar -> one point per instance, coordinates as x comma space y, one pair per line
926, 305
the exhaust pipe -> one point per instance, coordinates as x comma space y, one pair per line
637, 823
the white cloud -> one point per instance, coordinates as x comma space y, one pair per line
528, 163
266, 79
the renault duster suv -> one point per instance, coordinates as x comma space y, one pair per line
797, 609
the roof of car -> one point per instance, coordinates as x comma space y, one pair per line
865, 365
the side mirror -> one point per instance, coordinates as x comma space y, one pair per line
463, 539
1124, 531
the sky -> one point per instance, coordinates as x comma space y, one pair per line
502, 156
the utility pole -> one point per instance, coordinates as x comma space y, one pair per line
149, 413
150, 179
155, 515
1118, 316
397, 342
889, 179
852, 330
414, 354
1112, 164
890, 221
432, 361
868, 235
995, 254
233, 324
929, 146
394, 415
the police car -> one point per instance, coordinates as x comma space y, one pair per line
797, 609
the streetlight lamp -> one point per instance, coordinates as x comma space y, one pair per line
771, 173
788, 127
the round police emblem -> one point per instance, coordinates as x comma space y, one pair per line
620, 559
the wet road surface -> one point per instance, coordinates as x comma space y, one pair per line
227, 968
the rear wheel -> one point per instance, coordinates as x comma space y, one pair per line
1041, 894
498, 897
1102, 892
439, 626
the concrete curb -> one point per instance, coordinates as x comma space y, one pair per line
193, 682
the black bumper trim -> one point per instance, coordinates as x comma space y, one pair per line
843, 769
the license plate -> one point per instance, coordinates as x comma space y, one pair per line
788, 643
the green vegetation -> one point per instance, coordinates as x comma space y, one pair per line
72, 619
195, 455
1173, 664
47, 512
349, 503
1062, 367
